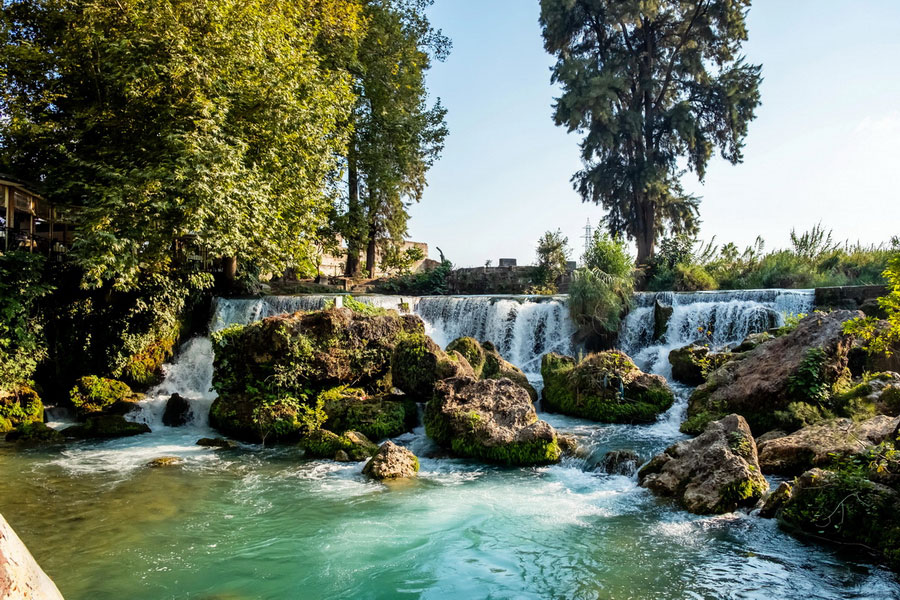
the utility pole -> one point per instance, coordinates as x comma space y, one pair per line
588, 235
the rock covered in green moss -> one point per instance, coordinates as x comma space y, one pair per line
293, 355
418, 364
822, 444
19, 406
605, 386
713, 473
257, 420
164, 461
496, 367
471, 350
773, 502
691, 363
800, 367
93, 395
35, 433
492, 420
326, 444
391, 462
104, 426
846, 507
376, 416
752, 341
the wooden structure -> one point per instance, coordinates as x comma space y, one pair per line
30, 223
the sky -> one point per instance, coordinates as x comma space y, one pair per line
825, 146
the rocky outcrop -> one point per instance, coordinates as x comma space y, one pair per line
391, 462
496, 367
819, 445
845, 508
216, 443
105, 427
773, 502
714, 473
325, 444
177, 413
605, 386
418, 364
783, 371
375, 416
752, 341
620, 462
19, 406
21, 578
661, 315
94, 395
492, 420
35, 434
471, 350
690, 364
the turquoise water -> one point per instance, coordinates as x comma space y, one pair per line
255, 523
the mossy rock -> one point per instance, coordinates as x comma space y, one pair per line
691, 364
845, 507
606, 387
496, 367
418, 364
35, 433
103, 426
302, 354
489, 420
377, 417
19, 406
472, 351
252, 420
327, 444
94, 395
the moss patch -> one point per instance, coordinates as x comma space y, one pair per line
19, 406
471, 350
92, 394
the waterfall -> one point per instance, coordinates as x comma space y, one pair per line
523, 328
720, 317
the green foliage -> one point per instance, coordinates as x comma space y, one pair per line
552, 254
598, 301
22, 345
813, 261
472, 351
399, 261
807, 383
424, 283
93, 394
608, 254
651, 85
882, 338
376, 417
18, 406
360, 308
217, 120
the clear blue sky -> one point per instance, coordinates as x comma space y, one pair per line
825, 145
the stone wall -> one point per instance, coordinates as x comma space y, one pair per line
853, 297
498, 280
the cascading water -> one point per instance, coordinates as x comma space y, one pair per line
523, 328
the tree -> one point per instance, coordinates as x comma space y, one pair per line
882, 337
161, 120
552, 256
650, 84
397, 136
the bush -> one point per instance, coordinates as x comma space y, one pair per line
879, 338
22, 343
598, 301
424, 283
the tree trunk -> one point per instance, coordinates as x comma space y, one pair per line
229, 268
353, 219
646, 233
370, 255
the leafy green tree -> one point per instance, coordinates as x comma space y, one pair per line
161, 120
650, 84
883, 338
397, 135
552, 254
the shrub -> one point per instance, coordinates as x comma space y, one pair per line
22, 344
882, 338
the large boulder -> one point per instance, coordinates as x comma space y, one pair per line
793, 368
820, 445
471, 350
847, 508
605, 386
391, 462
271, 376
21, 578
35, 433
662, 313
691, 363
19, 406
620, 462
178, 411
376, 416
496, 367
93, 395
418, 364
325, 444
105, 426
492, 420
714, 473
